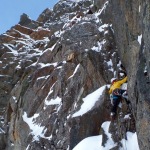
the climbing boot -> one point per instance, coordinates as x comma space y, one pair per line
112, 116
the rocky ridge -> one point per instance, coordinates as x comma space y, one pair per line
49, 68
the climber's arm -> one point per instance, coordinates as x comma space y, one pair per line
110, 90
122, 81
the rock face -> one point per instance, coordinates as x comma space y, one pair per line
134, 52
51, 68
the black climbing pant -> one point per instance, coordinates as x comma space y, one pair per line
117, 95
115, 105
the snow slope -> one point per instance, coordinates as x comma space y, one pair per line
95, 142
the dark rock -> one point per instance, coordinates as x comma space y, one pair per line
24, 20
27, 22
45, 15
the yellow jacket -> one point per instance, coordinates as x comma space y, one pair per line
117, 84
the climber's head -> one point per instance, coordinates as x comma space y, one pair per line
113, 80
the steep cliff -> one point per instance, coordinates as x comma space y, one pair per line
55, 73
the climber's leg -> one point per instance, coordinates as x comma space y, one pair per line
116, 102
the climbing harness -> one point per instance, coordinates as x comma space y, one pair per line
117, 92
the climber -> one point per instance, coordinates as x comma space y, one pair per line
116, 94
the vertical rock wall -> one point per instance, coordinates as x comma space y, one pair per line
130, 20
143, 79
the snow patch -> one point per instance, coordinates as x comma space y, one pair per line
140, 39
109, 63
131, 143
92, 143
74, 71
68, 147
104, 7
110, 143
37, 130
127, 116
11, 48
102, 27
98, 48
94, 48
1, 130
51, 49
48, 64
89, 101
43, 77
112, 28
95, 142
15, 99
57, 34
56, 101
50, 91
139, 8
145, 69
18, 67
